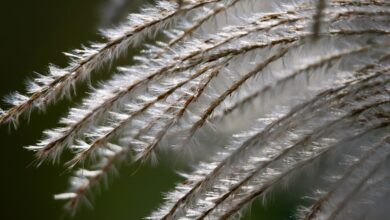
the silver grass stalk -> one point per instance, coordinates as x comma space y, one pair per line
254, 92
58, 82
234, 155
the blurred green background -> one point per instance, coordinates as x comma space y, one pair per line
33, 34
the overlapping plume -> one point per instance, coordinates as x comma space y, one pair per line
267, 88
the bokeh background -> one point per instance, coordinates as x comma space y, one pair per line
34, 34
